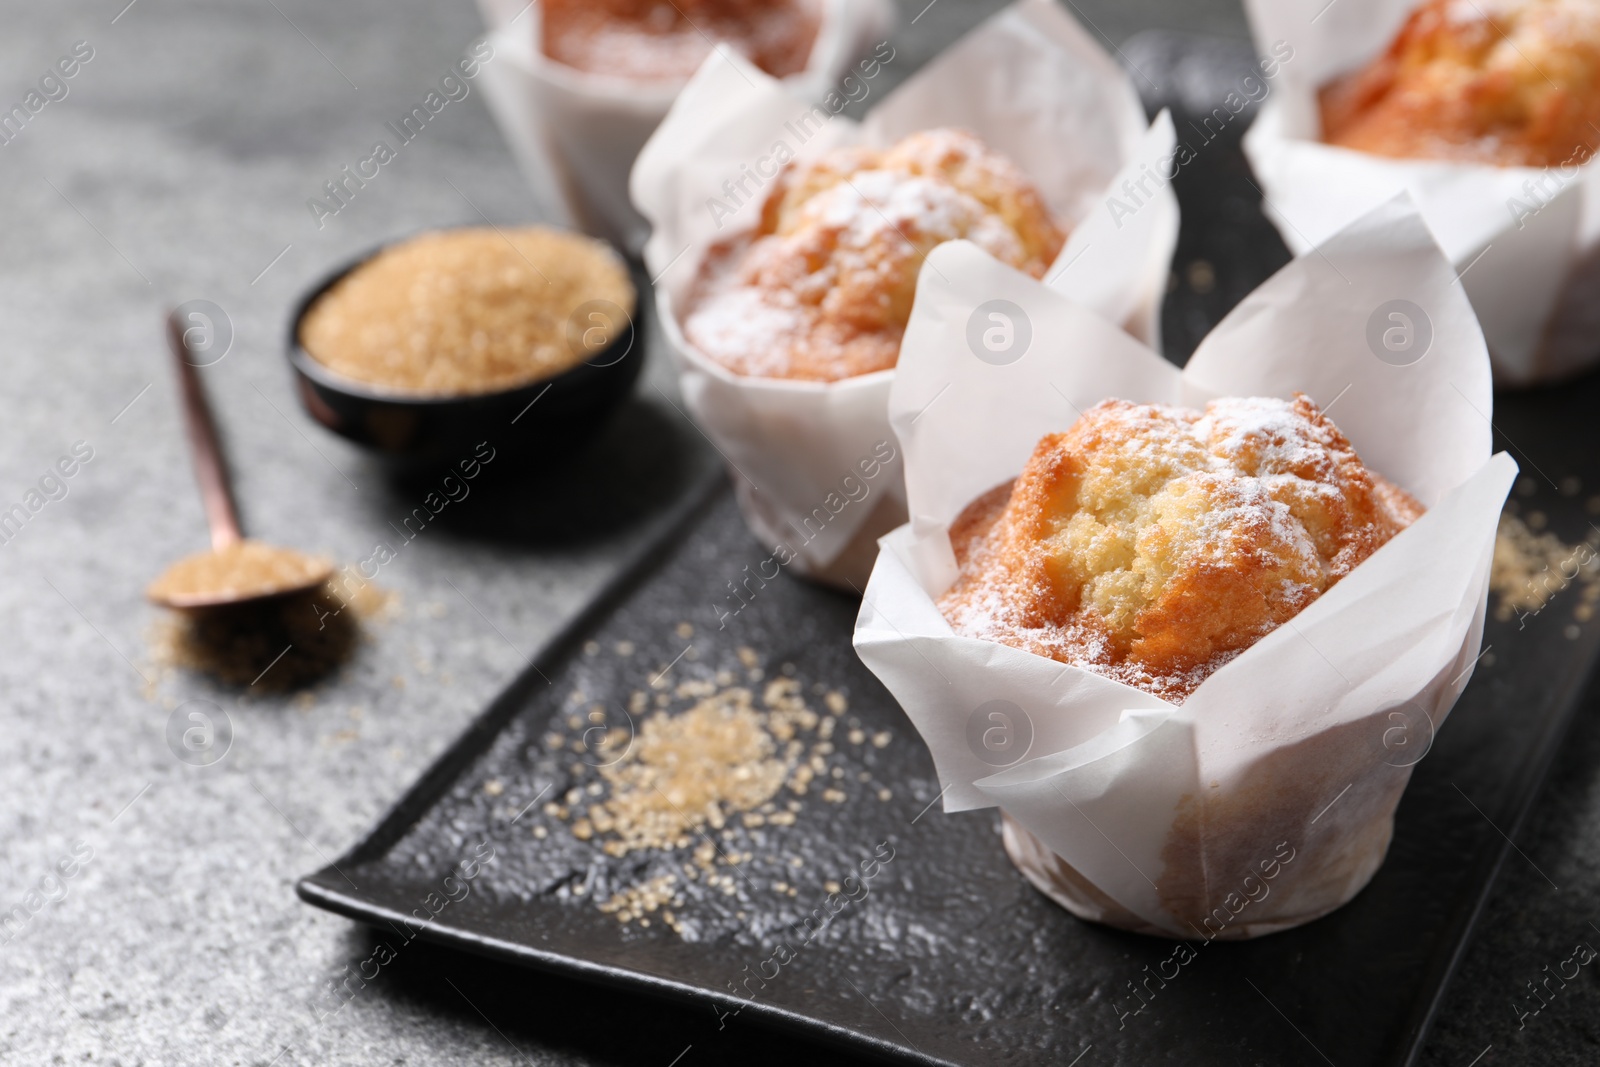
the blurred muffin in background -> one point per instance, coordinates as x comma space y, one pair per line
1507, 82
667, 40
823, 288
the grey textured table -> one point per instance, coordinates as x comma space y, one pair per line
176, 167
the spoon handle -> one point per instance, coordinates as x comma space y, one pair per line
209, 469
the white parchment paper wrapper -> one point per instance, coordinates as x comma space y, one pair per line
1125, 808
1533, 273
1034, 86
575, 134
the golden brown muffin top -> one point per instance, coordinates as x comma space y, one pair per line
667, 40
823, 288
1510, 82
1152, 544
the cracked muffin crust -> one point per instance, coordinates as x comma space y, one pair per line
1508, 82
822, 290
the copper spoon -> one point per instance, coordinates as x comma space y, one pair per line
236, 571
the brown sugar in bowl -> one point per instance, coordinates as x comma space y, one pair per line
525, 338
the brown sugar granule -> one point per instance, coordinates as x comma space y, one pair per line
689, 771
240, 570
1530, 568
691, 784
279, 644
667, 40
464, 311
635, 902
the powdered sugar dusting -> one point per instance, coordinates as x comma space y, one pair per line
1508, 82
824, 290
1153, 544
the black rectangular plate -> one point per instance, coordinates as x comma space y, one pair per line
952, 958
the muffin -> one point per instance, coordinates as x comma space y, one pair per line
1152, 544
667, 40
1508, 82
822, 289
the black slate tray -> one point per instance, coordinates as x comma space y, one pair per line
951, 957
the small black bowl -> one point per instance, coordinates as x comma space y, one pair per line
412, 432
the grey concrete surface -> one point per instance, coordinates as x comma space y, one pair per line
177, 167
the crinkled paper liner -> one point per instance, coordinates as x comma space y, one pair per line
1238, 917
1530, 262
1300, 834
1034, 85
1269, 793
850, 565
